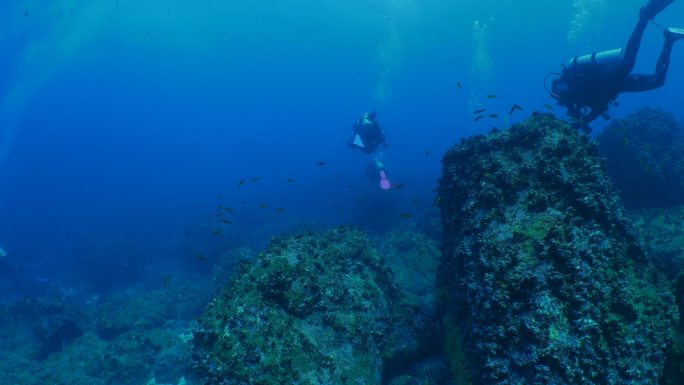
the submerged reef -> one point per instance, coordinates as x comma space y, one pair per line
541, 279
644, 155
661, 230
314, 308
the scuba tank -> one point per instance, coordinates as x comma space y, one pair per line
612, 56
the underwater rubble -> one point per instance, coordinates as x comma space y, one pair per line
644, 155
316, 308
542, 279
134, 336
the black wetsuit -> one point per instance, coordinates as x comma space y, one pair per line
371, 134
594, 85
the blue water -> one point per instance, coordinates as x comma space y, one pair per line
131, 117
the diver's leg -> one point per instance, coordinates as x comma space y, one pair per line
632, 46
653, 7
637, 82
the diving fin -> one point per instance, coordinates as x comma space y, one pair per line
673, 34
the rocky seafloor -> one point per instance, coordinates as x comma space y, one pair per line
541, 277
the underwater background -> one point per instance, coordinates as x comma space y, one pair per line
142, 140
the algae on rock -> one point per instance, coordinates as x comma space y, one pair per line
541, 273
315, 308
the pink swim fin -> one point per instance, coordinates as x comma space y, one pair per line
384, 182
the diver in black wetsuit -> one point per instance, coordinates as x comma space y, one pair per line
589, 83
368, 135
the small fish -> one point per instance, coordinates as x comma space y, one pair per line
26, 13
219, 214
255, 179
406, 216
166, 281
228, 210
263, 206
321, 163
548, 106
492, 96
415, 200
226, 221
241, 182
428, 152
290, 180
279, 209
459, 85
337, 176
219, 196
216, 231
400, 185
436, 201
201, 257
478, 117
494, 116
513, 108
479, 111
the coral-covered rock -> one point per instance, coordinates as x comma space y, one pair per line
315, 308
543, 282
644, 155
661, 230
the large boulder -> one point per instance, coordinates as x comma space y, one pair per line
542, 279
314, 308
644, 155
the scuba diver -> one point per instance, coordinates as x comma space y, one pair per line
368, 136
589, 84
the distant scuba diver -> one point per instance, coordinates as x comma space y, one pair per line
368, 136
589, 83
